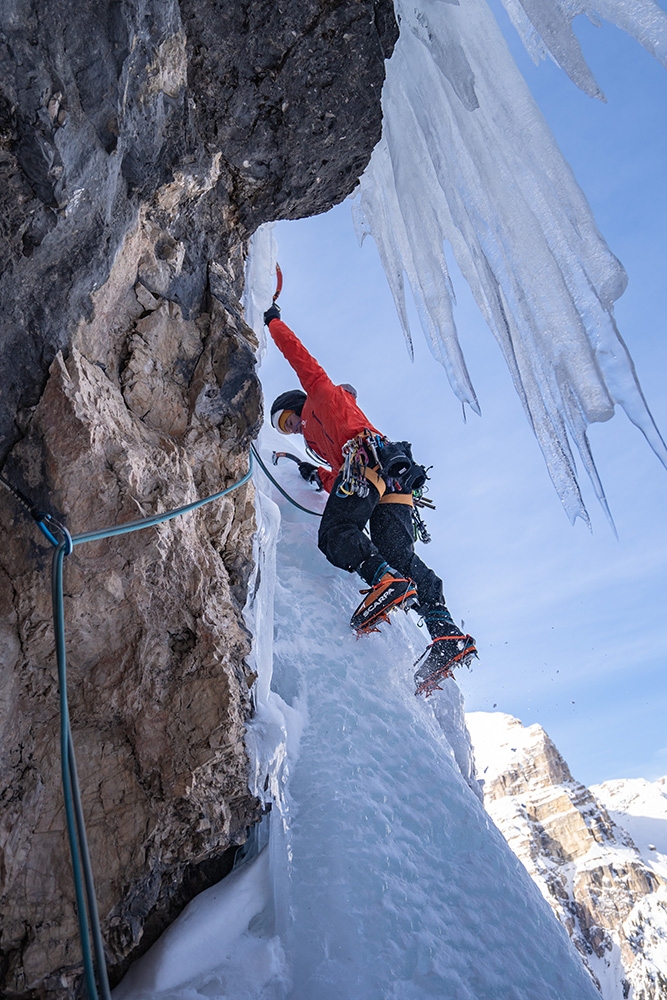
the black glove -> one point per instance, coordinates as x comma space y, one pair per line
272, 313
310, 474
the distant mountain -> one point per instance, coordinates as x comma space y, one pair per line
598, 855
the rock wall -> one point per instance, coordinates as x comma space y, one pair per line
612, 902
141, 143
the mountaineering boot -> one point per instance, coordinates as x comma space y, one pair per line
386, 594
449, 648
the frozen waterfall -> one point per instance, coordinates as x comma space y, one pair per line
383, 878
466, 158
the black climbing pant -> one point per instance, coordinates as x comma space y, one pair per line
344, 543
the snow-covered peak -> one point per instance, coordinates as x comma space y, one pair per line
505, 747
640, 807
609, 894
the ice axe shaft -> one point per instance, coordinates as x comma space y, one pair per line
279, 282
285, 454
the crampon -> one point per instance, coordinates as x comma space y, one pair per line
439, 659
388, 594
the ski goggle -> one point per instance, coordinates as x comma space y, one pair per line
280, 419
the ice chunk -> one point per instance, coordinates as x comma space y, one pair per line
466, 157
204, 936
259, 280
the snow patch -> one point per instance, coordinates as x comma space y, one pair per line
210, 933
639, 807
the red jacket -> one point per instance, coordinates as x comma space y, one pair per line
330, 415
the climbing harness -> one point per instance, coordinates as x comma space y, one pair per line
92, 946
368, 454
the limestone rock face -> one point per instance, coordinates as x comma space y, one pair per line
141, 144
210, 116
611, 899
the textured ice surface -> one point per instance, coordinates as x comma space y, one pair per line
260, 280
383, 878
209, 933
467, 158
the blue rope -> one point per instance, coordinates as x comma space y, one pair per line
277, 485
86, 902
75, 828
92, 945
47, 534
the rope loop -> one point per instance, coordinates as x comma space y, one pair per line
63, 542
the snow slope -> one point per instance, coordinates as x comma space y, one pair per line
384, 878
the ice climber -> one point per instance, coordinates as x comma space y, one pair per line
370, 481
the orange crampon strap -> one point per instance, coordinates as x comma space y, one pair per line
382, 616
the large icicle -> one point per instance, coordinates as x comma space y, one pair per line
467, 157
545, 27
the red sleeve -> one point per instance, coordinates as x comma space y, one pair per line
327, 478
303, 363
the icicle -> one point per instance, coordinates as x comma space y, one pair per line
259, 280
545, 27
466, 157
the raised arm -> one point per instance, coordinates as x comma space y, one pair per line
310, 373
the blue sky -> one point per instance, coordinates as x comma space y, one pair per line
570, 624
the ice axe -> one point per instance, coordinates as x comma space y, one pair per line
279, 282
285, 454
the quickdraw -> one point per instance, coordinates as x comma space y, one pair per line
359, 453
46, 522
420, 531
